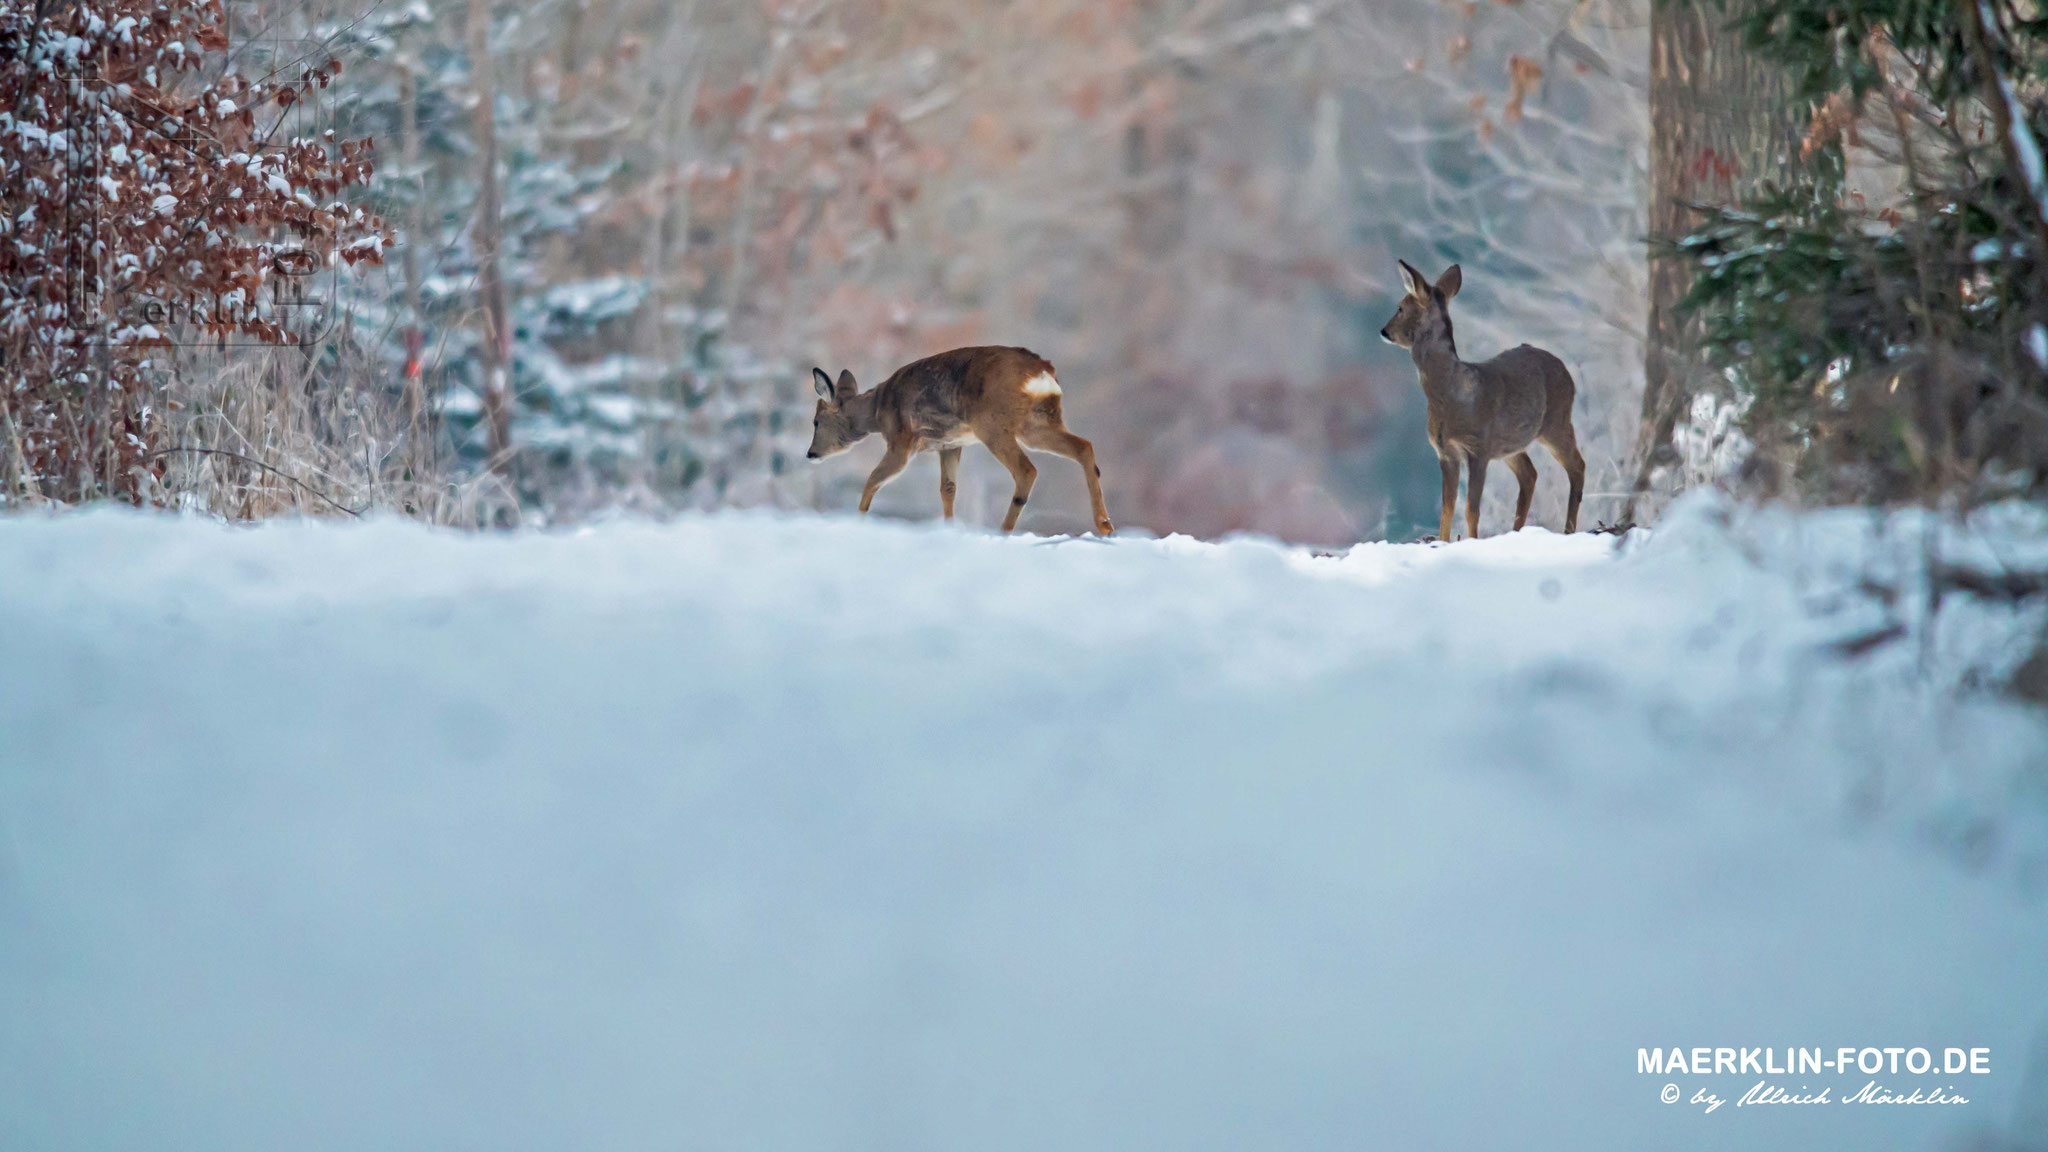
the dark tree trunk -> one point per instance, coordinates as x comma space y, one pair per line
1721, 121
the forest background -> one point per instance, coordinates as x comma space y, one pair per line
616, 235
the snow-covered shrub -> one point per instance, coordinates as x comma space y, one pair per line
1710, 444
144, 206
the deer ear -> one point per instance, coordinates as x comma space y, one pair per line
822, 383
846, 389
1450, 281
1413, 281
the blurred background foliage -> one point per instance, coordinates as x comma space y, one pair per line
1784, 245
622, 232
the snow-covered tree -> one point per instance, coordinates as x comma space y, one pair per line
635, 207
1881, 308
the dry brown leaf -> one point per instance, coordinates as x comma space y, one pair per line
1523, 75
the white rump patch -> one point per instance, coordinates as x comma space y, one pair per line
1042, 385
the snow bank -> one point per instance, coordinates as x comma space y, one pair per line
747, 832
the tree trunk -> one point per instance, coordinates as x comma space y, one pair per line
670, 97
1721, 122
489, 237
415, 234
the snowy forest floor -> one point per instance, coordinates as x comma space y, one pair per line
761, 832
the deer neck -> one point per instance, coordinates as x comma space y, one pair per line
860, 413
1444, 379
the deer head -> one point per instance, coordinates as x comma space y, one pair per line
1425, 313
836, 427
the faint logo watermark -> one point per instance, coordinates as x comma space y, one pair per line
108, 301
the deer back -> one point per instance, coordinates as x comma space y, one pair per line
1496, 407
956, 396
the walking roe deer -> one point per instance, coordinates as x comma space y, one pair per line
1481, 412
1007, 398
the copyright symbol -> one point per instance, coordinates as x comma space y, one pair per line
1670, 1094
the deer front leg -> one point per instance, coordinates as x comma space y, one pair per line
1475, 484
949, 471
1525, 480
1449, 465
892, 462
1006, 449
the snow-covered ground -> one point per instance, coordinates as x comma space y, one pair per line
752, 832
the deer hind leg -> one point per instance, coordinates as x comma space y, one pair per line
1449, 465
1565, 446
1475, 485
1525, 479
1006, 449
1064, 443
949, 472
892, 462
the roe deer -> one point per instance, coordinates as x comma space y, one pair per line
1007, 398
1481, 412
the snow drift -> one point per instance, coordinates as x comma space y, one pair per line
747, 832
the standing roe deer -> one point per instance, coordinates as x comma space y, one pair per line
1481, 412
1007, 398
